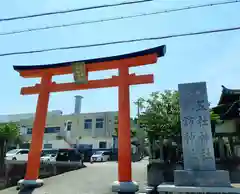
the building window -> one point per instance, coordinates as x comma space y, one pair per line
69, 125
57, 129
47, 130
99, 123
47, 146
88, 124
52, 130
29, 130
102, 144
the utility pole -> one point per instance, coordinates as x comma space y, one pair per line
141, 137
138, 114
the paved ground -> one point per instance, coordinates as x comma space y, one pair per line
96, 178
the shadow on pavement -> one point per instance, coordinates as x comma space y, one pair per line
26, 191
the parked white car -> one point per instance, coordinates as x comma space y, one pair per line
17, 154
49, 154
49, 157
100, 156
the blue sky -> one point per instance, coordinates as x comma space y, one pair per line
213, 58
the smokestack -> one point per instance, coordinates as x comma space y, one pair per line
78, 104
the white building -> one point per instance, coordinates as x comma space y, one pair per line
86, 129
93, 130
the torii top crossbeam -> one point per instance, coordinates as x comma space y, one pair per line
139, 58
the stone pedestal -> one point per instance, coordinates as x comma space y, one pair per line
22, 184
218, 178
187, 189
125, 187
155, 174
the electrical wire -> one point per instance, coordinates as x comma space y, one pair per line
121, 41
73, 10
119, 18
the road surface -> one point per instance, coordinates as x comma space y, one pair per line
96, 178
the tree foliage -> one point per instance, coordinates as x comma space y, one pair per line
161, 114
115, 132
9, 132
215, 117
133, 132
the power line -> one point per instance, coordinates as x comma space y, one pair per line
73, 10
120, 17
122, 41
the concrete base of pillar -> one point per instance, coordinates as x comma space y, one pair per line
185, 189
218, 178
22, 184
125, 187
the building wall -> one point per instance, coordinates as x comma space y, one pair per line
229, 126
95, 141
56, 143
80, 131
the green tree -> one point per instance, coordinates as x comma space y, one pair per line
161, 119
133, 132
161, 115
215, 119
115, 132
8, 133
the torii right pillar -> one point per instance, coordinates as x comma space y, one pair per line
125, 183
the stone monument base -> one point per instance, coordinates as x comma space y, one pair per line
188, 189
217, 178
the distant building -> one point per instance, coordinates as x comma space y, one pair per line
89, 129
228, 132
228, 109
92, 130
86, 129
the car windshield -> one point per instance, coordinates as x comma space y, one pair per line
98, 153
43, 154
49, 152
13, 151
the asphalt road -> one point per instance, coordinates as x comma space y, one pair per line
95, 179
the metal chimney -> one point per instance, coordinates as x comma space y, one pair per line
78, 104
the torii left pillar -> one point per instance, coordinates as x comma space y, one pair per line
32, 173
124, 183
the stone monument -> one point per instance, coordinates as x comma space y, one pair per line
199, 160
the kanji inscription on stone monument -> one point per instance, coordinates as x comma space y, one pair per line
196, 127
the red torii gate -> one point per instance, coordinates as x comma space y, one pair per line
80, 69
